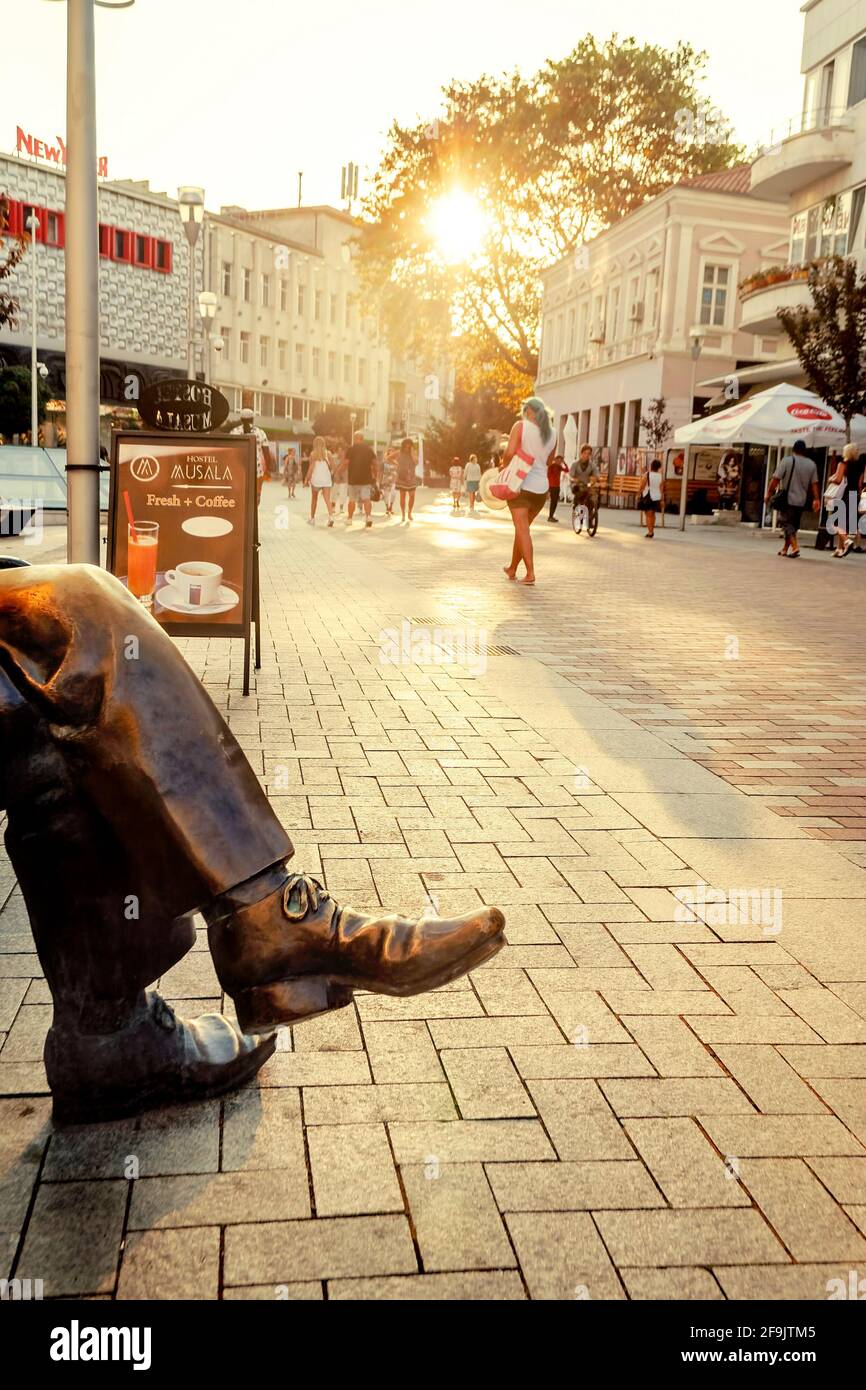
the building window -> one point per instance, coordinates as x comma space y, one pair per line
584, 326
317, 306
143, 251
714, 296
332, 308
348, 318
266, 291
302, 298
226, 335
53, 227
227, 279
300, 359
284, 295
362, 371
316, 361
104, 240
651, 304
247, 285
264, 351
246, 344
332, 366
121, 246
347, 368
613, 315
162, 255
857, 81
283, 354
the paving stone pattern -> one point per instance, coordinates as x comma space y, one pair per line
637, 1098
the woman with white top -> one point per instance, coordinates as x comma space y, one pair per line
319, 479
651, 495
531, 440
472, 478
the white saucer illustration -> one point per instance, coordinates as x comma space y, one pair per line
171, 598
206, 526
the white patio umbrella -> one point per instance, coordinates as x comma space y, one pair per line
780, 415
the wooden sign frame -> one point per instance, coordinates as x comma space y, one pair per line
244, 447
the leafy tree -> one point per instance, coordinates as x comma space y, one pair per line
546, 161
448, 439
334, 422
13, 249
828, 336
15, 400
655, 424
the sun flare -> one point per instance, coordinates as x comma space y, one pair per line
458, 225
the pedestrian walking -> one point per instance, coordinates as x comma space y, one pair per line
472, 480
651, 494
249, 426
389, 480
555, 470
455, 474
290, 471
531, 441
841, 499
361, 463
795, 479
407, 479
339, 473
318, 478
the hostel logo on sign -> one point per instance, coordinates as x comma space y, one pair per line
801, 410
144, 469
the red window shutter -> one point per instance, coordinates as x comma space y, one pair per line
104, 239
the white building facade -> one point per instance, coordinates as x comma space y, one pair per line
143, 281
649, 307
815, 162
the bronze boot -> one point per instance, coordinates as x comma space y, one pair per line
155, 1059
296, 953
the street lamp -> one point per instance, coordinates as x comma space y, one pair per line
207, 307
191, 208
32, 225
82, 283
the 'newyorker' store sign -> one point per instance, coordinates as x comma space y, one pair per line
28, 144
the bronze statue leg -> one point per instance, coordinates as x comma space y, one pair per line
123, 783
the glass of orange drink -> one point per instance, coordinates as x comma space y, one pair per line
142, 545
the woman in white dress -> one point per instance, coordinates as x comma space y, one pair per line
318, 478
532, 441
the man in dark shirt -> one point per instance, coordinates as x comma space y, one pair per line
362, 464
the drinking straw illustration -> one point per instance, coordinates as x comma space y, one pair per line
128, 505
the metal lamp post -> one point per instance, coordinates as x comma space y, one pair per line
191, 207
33, 228
207, 307
82, 283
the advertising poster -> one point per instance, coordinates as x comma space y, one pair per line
181, 528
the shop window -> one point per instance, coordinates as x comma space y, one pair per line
162, 255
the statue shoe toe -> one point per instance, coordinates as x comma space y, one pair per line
297, 953
158, 1059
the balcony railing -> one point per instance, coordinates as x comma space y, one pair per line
824, 118
773, 275
599, 355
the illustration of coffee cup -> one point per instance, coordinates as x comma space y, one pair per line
196, 582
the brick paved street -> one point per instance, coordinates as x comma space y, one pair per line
634, 1099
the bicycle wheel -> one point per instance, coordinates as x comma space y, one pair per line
592, 527
577, 518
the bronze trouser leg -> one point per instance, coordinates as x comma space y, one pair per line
130, 802
146, 749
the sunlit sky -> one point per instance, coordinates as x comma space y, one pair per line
238, 95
